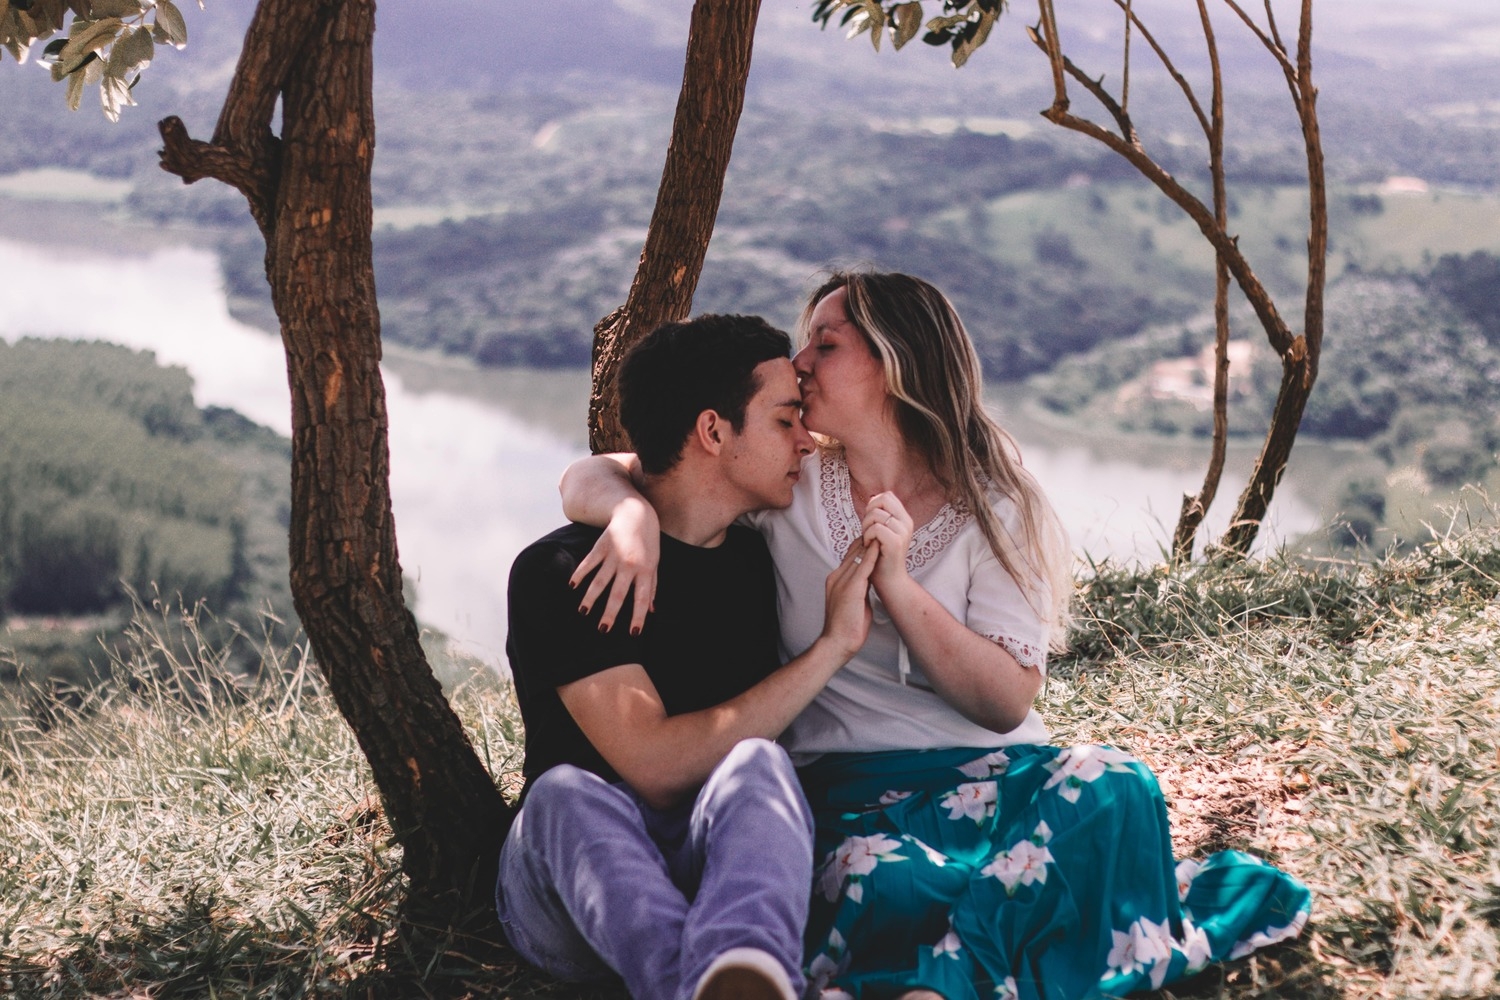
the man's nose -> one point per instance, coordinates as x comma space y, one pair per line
805, 443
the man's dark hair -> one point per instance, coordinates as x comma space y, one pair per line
681, 369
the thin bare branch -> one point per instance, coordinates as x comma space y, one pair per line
1167, 64
1096, 88
1195, 508
1277, 332
1125, 72
1272, 42
1317, 239
1275, 32
1053, 47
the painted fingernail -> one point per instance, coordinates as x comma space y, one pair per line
583, 609
635, 630
603, 627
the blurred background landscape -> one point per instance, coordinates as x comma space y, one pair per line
142, 388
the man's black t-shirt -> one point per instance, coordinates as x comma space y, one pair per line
713, 634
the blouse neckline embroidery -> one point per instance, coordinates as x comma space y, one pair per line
837, 500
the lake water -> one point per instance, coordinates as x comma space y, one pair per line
476, 454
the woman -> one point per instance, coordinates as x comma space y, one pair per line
962, 855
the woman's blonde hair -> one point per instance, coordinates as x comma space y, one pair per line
933, 376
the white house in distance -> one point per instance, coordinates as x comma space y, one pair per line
1191, 379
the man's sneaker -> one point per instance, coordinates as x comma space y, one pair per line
744, 974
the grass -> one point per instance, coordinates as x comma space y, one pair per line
190, 833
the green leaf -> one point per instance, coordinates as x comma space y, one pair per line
865, 15
946, 24
169, 20
93, 69
908, 21
118, 8
85, 42
132, 51
75, 91
49, 15
975, 37
114, 93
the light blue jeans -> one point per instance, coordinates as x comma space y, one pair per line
594, 883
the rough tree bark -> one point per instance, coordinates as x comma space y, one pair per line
1298, 352
687, 200
309, 192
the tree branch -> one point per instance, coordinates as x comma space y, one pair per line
1053, 47
1276, 329
1096, 88
1195, 508
244, 153
1271, 20
193, 160
1317, 189
1161, 53
1272, 44
265, 63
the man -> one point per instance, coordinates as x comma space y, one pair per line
661, 837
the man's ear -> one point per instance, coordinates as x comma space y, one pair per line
708, 432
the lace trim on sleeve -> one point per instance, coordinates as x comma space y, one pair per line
1026, 653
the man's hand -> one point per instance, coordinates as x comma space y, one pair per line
846, 599
627, 555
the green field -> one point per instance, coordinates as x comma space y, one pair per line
1130, 235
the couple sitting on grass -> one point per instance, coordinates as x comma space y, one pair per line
881, 603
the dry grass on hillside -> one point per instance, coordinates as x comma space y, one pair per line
183, 837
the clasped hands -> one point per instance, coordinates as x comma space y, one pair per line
629, 550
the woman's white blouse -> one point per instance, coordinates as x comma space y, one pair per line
881, 700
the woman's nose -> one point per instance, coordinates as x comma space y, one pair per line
800, 361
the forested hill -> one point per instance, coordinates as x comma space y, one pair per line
517, 161
112, 481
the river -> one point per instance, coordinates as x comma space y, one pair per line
476, 453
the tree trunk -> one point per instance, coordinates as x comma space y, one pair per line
1300, 362
1195, 507
309, 191
1296, 385
687, 200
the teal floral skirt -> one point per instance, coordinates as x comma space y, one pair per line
1019, 873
